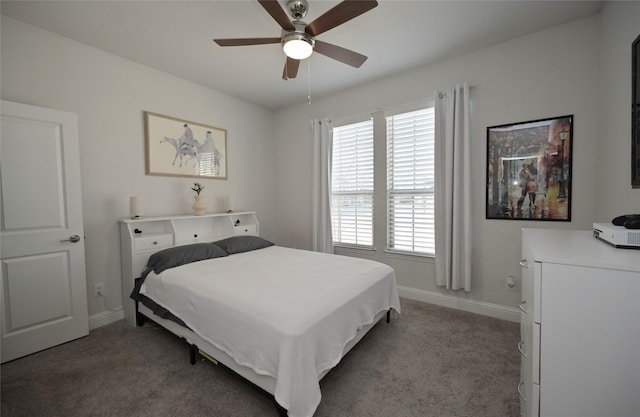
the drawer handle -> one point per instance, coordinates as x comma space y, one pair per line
523, 263
155, 242
521, 306
522, 352
520, 392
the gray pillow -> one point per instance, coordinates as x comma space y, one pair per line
240, 244
181, 255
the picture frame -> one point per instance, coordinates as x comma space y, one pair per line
635, 113
529, 170
181, 148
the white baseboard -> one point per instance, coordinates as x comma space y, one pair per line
105, 317
472, 306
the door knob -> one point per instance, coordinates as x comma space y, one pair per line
72, 239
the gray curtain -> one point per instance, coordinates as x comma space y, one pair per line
322, 148
453, 189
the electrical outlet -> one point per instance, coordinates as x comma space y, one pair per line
510, 283
98, 289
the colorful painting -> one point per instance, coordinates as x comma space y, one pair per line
529, 170
178, 147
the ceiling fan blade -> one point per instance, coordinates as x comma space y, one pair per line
340, 54
341, 13
273, 8
290, 69
246, 41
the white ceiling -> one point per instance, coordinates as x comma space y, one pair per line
398, 35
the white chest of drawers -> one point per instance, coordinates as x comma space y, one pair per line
580, 326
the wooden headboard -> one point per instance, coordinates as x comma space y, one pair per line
141, 238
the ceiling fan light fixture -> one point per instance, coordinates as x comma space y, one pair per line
297, 45
298, 38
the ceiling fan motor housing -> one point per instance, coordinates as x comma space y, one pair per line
297, 33
298, 8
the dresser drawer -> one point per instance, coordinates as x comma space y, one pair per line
154, 241
534, 348
244, 229
535, 401
529, 394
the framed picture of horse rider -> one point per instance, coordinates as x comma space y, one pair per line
177, 147
529, 170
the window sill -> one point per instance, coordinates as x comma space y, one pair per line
410, 256
388, 253
354, 248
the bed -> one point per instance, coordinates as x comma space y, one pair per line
279, 317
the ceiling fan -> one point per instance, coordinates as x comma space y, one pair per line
298, 38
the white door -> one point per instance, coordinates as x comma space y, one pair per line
43, 299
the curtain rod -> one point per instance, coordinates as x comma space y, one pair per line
442, 94
368, 114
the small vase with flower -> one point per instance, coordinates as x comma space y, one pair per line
198, 205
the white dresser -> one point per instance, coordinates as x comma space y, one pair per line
139, 239
580, 326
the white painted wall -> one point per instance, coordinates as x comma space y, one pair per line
110, 94
620, 27
549, 73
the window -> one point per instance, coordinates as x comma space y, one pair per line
406, 206
411, 181
352, 184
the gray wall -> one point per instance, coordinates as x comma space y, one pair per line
612, 189
580, 68
549, 73
110, 94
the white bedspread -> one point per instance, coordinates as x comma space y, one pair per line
283, 312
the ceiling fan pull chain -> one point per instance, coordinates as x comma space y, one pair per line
309, 80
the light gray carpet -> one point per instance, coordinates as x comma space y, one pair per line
429, 361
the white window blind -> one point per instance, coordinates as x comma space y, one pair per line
352, 184
410, 181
